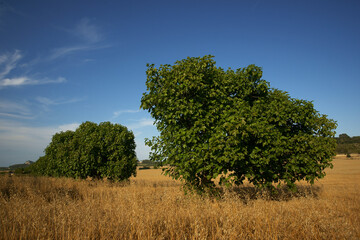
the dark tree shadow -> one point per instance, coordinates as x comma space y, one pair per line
284, 193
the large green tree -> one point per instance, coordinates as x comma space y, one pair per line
104, 150
231, 123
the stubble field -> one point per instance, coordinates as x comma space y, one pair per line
153, 206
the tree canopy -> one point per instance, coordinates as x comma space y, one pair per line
104, 150
230, 123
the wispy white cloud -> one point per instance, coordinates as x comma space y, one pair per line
9, 62
144, 122
91, 39
118, 113
15, 110
30, 109
15, 81
47, 80
20, 81
63, 51
135, 123
90, 36
88, 60
47, 101
88, 31
11, 115
46, 104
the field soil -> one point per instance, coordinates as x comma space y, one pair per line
152, 206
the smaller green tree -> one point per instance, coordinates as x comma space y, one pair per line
104, 150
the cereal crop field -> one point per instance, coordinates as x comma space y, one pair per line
152, 206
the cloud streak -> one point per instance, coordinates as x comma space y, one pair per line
144, 122
21, 81
64, 51
90, 36
87, 31
120, 112
9, 62
25, 110
10, 115
48, 102
14, 110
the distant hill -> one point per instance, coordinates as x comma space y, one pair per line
21, 165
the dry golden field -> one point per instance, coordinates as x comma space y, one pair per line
152, 206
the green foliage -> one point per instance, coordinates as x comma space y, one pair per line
345, 148
19, 171
231, 124
346, 144
25, 170
104, 150
147, 162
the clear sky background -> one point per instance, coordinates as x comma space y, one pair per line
66, 62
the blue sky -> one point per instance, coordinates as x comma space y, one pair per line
66, 62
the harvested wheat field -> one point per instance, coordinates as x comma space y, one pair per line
152, 206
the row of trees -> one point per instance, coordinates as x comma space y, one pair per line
104, 150
212, 123
347, 144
